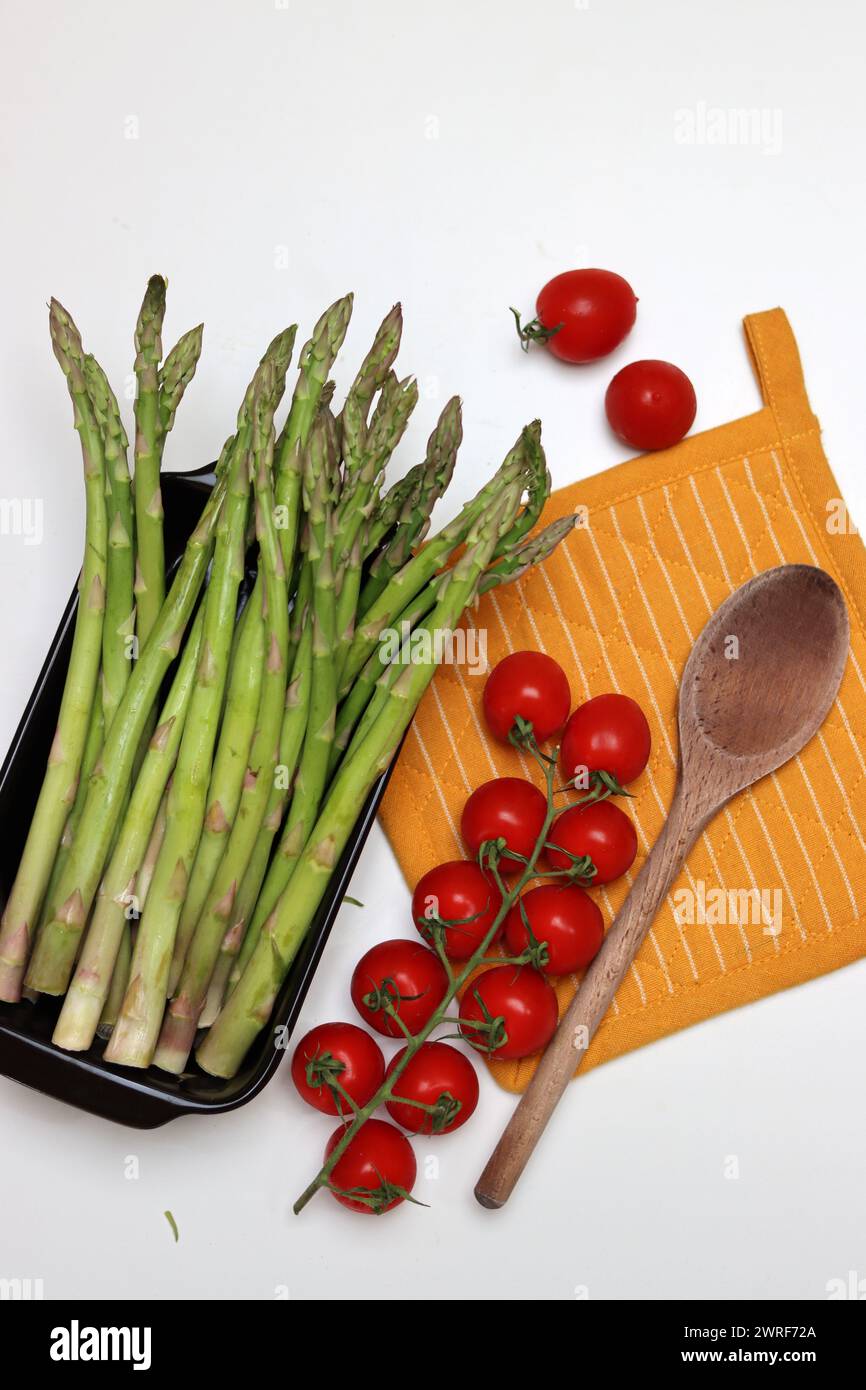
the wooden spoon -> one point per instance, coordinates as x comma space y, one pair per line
757, 686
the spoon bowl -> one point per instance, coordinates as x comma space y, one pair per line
762, 677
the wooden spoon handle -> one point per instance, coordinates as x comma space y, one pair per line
567, 1048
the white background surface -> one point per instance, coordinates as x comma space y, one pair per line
454, 155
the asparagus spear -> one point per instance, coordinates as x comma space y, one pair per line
248, 1008
118, 984
64, 763
425, 484
246, 923
229, 766
181, 1020
150, 577
119, 622
373, 374
92, 750
119, 618
317, 358
355, 505
158, 395
137, 1026
359, 696
313, 766
144, 876
122, 889
52, 961
246, 663
418, 571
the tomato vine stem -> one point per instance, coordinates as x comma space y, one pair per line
489, 855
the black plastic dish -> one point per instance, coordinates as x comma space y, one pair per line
142, 1099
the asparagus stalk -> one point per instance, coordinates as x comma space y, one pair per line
359, 696
52, 961
245, 677
247, 920
229, 767
175, 374
158, 395
512, 566
122, 891
248, 1008
411, 519
144, 877
313, 768
181, 1020
92, 750
418, 571
356, 503
373, 374
119, 624
118, 984
317, 358
150, 576
135, 1033
59, 787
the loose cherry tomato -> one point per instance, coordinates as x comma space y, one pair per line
608, 734
563, 916
599, 829
508, 808
522, 998
532, 685
408, 975
457, 892
651, 404
581, 315
437, 1075
337, 1052
378, 1162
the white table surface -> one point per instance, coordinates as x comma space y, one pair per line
454, 156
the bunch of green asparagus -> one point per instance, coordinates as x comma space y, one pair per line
215, 747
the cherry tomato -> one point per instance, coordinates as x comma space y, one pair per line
651, 404
599, 829
508, 808
339, 1052
532, 685
437, 1075
457, 892
582, 314
377, 1161
563, 916
412, 977
608, 734
522, 998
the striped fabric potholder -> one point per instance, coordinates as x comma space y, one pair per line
619, 605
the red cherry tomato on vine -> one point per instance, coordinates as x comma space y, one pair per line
337, 1052
651, 404
377, 1161
522, 998
508, 808
563, 916
582, 315
532, 685
437, 1075
457, 892
405, 972
608, 734
599, 829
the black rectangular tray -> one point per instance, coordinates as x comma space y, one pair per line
142, 1099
